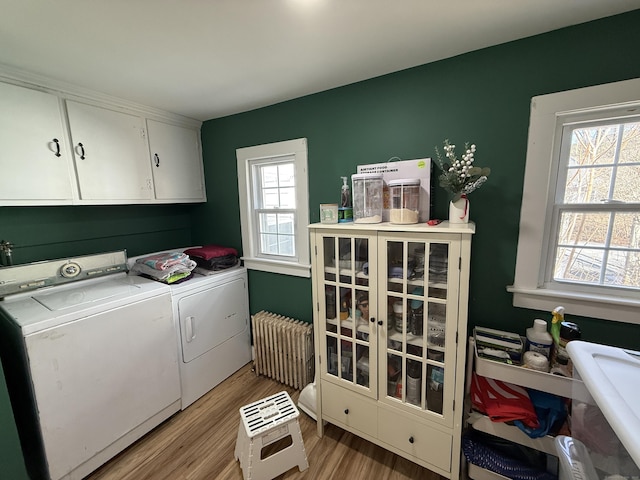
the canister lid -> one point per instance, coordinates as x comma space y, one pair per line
403, 181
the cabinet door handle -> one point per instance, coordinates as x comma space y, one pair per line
157, 159
380, 322
346, 411
57, 142
410, 439
373, 320
81, 151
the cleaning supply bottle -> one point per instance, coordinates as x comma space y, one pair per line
557, 315
538, 339
562, 333
345, 210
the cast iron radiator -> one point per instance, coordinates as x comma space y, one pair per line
283, 349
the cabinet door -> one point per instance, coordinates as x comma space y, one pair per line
419, 308
31, 133
176, 162
111, 154
345, 278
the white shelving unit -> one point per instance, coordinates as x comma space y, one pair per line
516, 375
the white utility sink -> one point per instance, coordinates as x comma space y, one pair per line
612, 377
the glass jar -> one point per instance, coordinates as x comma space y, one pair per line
405, 200
367, 197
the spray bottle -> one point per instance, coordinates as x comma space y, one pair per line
562, 333
345, 210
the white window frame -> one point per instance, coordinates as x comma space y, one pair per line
300, 265
543, 149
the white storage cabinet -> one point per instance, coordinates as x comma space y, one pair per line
34, 163
110, 153
393, 373
62, 148
176, 162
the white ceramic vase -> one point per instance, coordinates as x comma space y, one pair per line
459, 211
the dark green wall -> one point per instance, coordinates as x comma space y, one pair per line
481, 97
11, 459
41, 233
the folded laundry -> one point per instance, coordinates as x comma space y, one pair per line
162, 275
214, 257
502, 401
504, 458
163, 261
164, 267
550, 410
208, 252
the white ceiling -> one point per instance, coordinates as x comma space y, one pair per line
210, 58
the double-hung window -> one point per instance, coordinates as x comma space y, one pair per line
273, 186
579, 242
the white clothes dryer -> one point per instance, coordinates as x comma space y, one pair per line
212, 316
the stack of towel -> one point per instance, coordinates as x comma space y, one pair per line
168, 268
211, 258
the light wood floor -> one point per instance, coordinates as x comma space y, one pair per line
198, 443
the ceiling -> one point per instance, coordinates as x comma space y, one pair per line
210, 58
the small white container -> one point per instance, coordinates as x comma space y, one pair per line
538, 339
405, 200
367, 197
328, 213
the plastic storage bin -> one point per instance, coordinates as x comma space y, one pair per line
405, 200
367, 197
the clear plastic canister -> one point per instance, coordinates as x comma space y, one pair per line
367, 197
405, 200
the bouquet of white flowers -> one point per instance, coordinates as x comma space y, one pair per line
459, 176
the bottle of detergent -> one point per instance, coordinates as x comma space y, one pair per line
538, 339
345, 210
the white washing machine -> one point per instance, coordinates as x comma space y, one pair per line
90, 356
211, 315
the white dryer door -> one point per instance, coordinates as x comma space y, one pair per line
211, 317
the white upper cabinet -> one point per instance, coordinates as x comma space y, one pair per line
62, 147
34, 157
176, 162
110, 154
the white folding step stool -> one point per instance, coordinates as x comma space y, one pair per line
263, 423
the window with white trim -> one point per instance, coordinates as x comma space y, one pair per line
579, 243
274, 213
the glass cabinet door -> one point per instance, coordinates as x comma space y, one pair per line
420, 314
348, 307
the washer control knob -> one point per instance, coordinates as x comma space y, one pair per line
70, 270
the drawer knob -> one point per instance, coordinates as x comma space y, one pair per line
346, 411
410, 439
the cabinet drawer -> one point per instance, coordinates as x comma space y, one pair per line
415, 438
350, 409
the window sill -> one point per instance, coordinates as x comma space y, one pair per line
618, 309
273, 266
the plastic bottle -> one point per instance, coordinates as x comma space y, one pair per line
345, 210
538, 339
414, 381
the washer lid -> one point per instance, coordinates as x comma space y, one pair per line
53, 306
61, 299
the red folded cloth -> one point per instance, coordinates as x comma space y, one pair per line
502, 402
208, 252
